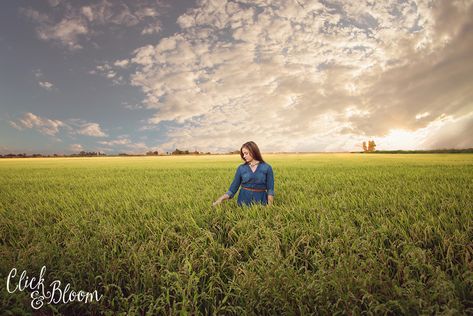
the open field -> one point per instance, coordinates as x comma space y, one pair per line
348, 234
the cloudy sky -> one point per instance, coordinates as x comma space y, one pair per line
209, 75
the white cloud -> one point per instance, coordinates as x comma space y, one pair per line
422, 115
44, 125
112, 71
132, 106
35, 15
119, 141
146, 12
15, 125
122, 63
46, 85
76, 148
91, 129
41, 81
152, 28
73, 24
52, 127
138, 148
54, 3
67, 32
123, 143
308, 75
38, 73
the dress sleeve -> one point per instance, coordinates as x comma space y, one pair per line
235, 184
270, 181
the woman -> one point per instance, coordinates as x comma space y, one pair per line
255, 177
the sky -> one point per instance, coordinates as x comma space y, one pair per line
209, 75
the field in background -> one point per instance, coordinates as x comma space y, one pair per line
349, 233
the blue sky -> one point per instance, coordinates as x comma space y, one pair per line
133, 76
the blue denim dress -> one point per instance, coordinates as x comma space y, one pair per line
262, 178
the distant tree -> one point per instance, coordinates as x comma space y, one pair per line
371, 146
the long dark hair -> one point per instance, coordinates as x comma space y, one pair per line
253, 149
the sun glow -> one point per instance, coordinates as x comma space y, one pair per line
399, 139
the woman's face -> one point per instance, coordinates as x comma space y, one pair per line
247, 155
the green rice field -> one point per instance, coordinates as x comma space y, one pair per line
348, 234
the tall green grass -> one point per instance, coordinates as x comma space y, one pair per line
348, 234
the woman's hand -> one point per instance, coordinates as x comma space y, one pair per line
270, 200
221, 199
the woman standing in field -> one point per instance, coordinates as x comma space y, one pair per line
255, 177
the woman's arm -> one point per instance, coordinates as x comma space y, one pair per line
233, 188
270, 185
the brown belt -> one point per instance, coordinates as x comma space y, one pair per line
254, 190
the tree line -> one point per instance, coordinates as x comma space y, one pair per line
98, 154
